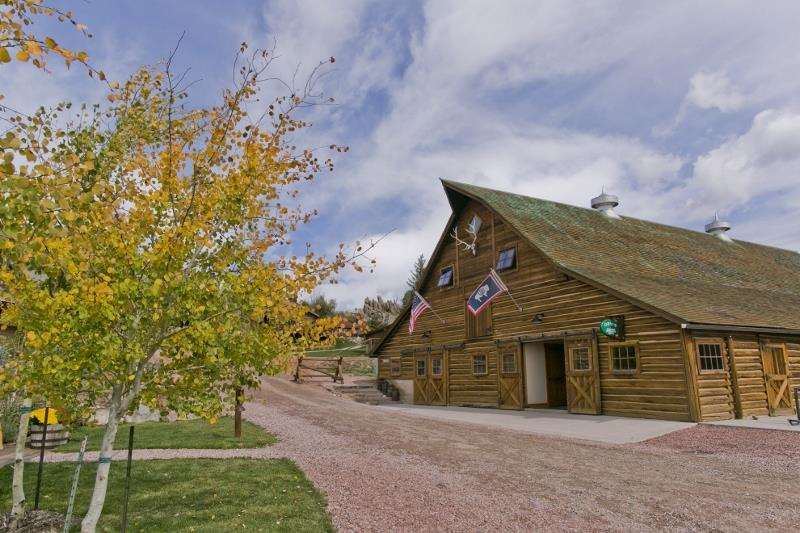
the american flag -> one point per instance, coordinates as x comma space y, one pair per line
418, 306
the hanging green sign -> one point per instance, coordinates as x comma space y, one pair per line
613, 327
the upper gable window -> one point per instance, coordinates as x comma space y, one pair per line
507, 260
446, 277
475, 224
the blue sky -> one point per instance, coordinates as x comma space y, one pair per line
679, 108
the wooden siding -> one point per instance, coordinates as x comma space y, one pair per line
658, 390
743, 376
750, 374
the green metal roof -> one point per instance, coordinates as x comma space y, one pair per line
689, 276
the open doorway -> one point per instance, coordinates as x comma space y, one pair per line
556, 374
545, 375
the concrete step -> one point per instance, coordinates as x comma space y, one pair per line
346, 388
362, 394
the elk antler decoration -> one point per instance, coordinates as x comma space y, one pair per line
468, 246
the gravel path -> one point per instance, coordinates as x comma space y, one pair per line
384, 470
388, 471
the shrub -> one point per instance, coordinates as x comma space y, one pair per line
9, 416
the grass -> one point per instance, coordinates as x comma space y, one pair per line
344, 347
180, 434
203, 495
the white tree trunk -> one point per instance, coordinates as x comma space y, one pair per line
17, 488
89, 523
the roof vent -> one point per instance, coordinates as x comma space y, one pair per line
717, 228
605, 203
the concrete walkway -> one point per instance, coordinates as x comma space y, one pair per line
598, 428
780, 423
266, 452
7, 455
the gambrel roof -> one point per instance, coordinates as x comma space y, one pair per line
690, 276
686, 276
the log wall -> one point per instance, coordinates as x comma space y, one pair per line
743, 380
657, 390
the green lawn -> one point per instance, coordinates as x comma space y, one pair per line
181, 434
344, 347
189, 495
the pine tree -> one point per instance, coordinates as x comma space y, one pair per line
414, 279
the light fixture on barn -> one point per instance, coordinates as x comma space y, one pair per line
472, 229
538, 318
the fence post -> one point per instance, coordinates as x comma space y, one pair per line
74, 488
237, 414
127, 480
339, 370
41, 458
297, 369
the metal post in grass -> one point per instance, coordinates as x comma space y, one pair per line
237, 414
127, 480
74, 488
41, 458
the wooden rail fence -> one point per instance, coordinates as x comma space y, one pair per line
330, 367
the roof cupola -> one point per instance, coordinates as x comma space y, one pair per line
605, 203
718, 227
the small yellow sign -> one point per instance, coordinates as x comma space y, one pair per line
38, 415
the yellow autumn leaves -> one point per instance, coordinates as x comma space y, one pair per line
20, 43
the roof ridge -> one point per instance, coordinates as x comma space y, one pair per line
458, 184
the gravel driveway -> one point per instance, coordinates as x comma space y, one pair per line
384, 470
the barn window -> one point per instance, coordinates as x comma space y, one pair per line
394, 367
580, 358
422, 371
507, 260
625, 358
709, 356
436, 366
446, 277
509, 363
481, 325
475, 224
479, 365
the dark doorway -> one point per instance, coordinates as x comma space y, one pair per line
556, 375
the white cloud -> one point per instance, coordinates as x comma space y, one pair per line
765, 160
395, 256
709, 90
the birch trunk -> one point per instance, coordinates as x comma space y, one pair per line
17, 488
89, 523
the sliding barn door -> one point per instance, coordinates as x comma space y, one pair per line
583, 375
510, 376
776, 376
437, 379
421, 372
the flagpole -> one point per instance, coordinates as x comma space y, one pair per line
508, 291
430, 307
513, 300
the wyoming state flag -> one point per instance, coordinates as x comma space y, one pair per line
487, 291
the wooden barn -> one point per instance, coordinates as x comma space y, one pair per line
618, 316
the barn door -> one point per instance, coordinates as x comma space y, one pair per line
437, 379
776, 376
583, 375
510, 376
421, 373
